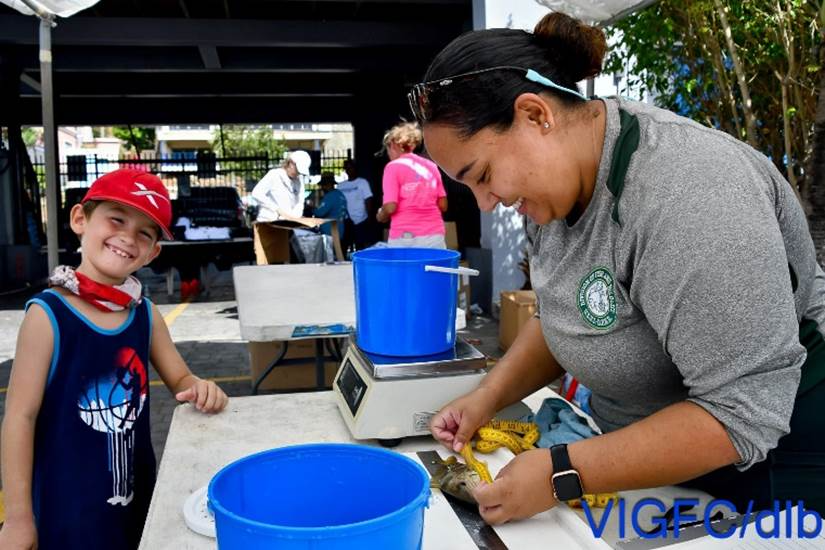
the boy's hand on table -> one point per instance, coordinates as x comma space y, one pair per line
205, 395
18, 535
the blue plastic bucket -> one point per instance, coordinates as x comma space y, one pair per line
401, 309
320, 497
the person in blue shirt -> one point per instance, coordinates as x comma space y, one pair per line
333, 205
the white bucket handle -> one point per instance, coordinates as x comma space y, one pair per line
452, 270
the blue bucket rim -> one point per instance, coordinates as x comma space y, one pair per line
326, 531
445, 254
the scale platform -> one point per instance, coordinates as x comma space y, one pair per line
389, 398
463, 358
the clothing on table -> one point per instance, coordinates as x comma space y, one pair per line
277, 190
94, 467
427, 241
203, 232
333, 205
685, 278
356, 191
558, 423
414, 184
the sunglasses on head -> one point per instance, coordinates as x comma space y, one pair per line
419, 96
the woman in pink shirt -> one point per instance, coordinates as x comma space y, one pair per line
414, 195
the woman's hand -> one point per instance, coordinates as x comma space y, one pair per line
205, 395
18, 535
454, 425
386, 212
521, 489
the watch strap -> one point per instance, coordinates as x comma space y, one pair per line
560, 458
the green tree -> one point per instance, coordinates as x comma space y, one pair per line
137, 138
816, 161
240, 141
31, 136
751, 68
248, 141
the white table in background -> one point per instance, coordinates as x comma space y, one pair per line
294, 301
280, 303
273, 300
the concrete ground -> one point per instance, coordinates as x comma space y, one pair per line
207, 334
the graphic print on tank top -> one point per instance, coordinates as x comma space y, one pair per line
111, 404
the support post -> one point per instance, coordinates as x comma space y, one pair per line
49, 136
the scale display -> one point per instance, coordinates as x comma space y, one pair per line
351, 386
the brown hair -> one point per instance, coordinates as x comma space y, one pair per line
89, 207
561, 49
587, 43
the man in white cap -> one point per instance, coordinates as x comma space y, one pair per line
280, 193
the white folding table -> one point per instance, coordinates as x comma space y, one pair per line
292, 302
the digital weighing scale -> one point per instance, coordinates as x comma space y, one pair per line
389, 398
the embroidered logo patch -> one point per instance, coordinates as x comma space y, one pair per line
597, 300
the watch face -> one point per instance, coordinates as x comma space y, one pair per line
567, 486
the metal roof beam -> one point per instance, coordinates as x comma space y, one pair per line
31, 82
209, 55
136, 31
202, 110
259, 60
89, 83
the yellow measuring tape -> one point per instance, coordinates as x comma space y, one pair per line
517, 437
477, 465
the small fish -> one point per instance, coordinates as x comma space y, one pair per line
455, 479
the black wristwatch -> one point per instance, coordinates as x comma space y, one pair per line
567, 484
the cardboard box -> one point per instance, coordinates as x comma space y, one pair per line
451, 235
271, 239
271, 243
517, 307
291, 377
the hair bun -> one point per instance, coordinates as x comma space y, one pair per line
577, 47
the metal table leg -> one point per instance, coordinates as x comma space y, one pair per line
170, 281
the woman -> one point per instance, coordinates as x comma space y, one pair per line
675, 275
414, 195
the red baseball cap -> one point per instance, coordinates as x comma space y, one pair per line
138, 189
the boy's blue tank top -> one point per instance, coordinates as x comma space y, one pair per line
94, 467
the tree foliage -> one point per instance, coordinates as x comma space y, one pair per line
246, 141
137, 139
31, 136
751, 68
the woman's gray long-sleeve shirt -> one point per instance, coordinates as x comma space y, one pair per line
692, 288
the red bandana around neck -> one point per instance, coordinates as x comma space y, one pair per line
103, 297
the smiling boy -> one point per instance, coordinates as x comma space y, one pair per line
77, 457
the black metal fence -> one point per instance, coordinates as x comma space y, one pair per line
180, 173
